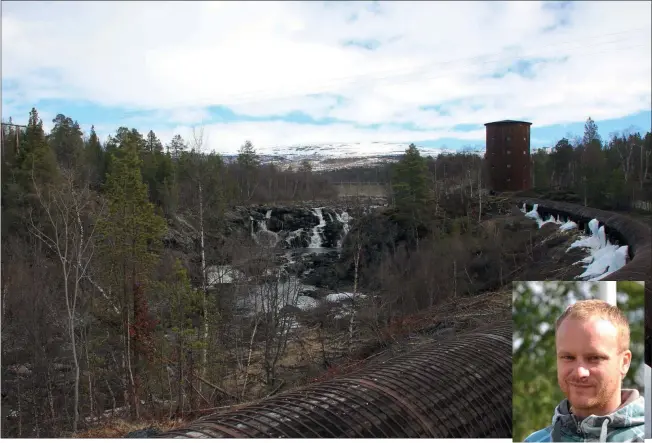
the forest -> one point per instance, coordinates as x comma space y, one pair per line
106, 316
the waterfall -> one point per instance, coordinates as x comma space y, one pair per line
264, 235
343, 218
315, 239
292, 235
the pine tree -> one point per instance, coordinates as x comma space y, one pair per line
12, 191
66, 141
410, 182
247, 157
176, 146
152, 157
153, 144
590, 132
166, 182
248, 161
95, 160
133, 234
35, 159
185, 302
592, 164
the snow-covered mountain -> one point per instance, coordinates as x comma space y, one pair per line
330, 156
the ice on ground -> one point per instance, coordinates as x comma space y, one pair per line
604, 257
306, 303
605, 261
617, 260
222, 274
342, 296
550, 219
568, 226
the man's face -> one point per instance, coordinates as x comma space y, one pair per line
590, 365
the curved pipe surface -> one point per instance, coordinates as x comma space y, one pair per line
457, 388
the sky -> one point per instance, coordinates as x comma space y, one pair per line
299, 73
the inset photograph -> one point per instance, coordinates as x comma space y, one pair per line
578, 361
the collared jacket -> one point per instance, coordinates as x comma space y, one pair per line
626, 424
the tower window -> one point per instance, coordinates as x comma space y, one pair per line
508, 138
509, 166
524, 139
524, 153
509, 152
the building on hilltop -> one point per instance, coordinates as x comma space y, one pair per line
507, 155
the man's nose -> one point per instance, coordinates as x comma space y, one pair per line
582, 372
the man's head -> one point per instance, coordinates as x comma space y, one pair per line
593, 356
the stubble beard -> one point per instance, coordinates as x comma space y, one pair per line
595, 397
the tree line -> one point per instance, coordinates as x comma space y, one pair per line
611, 173
89, 291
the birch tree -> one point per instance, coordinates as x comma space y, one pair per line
65, 207
197, 144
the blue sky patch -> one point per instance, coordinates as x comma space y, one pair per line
562, 12
524, 68
370, 44
467, 127
641, 121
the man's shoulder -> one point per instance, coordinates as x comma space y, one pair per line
541, 435
632, 433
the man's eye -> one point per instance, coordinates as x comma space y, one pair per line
566, 357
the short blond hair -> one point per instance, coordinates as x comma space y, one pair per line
585, 309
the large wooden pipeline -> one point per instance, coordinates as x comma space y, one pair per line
460, 387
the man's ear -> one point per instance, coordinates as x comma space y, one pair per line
625, 362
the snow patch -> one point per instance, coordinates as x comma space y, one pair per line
339, 296
604, 257
568, 226
222, 275
306, 303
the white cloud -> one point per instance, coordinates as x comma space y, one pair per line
316, 106
270, 58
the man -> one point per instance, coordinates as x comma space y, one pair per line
593, 357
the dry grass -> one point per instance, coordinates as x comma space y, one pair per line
301, 362
118, 428
360, 189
